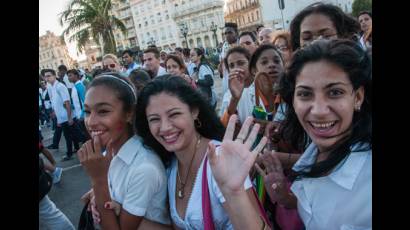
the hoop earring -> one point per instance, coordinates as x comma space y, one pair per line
197, 123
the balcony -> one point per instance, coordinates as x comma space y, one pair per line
241, 10
124, 15
181, 11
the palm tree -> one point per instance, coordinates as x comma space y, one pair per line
91, 18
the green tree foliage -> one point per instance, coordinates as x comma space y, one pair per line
91, 18
361, 5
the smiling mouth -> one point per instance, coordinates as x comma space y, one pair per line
323, 129
94, 133
170, 139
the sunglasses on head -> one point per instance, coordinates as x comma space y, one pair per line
110, 65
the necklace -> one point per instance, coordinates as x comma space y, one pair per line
182, 184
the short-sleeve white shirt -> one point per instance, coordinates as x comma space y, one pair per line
193, 214
76, 103
137, 180
341, 200
59, 94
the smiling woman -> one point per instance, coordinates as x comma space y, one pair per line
328, 92
125, 172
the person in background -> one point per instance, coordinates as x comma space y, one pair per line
139, 78
152, 62
365, 20
187, 60
321, 21
62, 74
281, 40
74, 77
128, 60
203, 75
111, 63
175, 66
248, 41
163, 56
266, 36
231, 40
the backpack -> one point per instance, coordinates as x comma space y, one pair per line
45, 181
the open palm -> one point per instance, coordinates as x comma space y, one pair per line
232, 163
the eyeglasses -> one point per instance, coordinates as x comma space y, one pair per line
112, 66
282, 48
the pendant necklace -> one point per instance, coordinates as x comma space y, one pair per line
182, 184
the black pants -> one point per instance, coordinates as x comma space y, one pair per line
72, 135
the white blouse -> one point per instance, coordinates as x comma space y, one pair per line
341, 200
193, 214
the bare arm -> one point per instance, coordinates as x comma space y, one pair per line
48, 155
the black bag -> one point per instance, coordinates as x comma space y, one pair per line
86, 220
45, 181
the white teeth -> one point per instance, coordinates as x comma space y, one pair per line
322, 125
170, 137
96, 133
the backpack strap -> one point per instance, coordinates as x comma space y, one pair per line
206, 201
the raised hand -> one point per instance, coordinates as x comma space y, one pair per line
273, 177
235, 159
236, 82
264, 83
94, 162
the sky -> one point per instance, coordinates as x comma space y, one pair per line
48, 20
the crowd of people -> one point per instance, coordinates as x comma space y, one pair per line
291, 146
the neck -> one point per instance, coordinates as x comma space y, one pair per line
186, 156
116, 146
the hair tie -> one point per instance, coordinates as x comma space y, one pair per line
123, 81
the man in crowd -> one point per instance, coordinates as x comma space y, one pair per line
129, 63
231, 39
60, 102
266, 36
248, 41
62, 74
151, 62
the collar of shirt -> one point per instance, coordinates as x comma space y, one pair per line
346, 172
129, 149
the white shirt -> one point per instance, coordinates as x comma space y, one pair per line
193, 214
341, 200
137, 180
245, 105
161, 71
281, 112
76, 103
190, 68
67, 82
59, 94
47, 103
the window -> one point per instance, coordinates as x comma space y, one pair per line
146, 23
253, 18
249, 19
257, 15
61, 61
167, 17
139, 25
152, 21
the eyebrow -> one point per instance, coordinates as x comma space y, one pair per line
169, 111
99, 104
326, 87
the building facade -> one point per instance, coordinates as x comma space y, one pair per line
154, 24
122, 10
203, 19
53, 52
267, 12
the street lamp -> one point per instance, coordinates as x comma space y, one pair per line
213, 28
184, 32
152, 41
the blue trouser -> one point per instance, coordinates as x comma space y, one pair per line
52, 217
